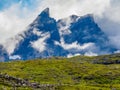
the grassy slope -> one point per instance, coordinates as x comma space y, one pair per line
78, 73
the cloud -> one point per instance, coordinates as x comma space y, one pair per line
62, 8
74, 46
12, 43
90, 54
73, 55
14, 20
106, 13
17, 17
110, 22
40, 44
37, 32
14, 57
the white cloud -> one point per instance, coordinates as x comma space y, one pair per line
106, 12
40, 44
64, 25
79, 7
14, 57
14, 20
118, 51
36, 32
74, 45
12, 43
73, 55
90, 54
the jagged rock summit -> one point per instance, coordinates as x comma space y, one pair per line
46, 37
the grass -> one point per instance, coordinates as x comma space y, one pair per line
77, 73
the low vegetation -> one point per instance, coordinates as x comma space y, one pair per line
77, 73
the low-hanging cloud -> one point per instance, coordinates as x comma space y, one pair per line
14, 20
63, 8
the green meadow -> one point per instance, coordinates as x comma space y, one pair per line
77, 73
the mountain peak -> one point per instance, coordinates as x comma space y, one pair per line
45, 12
41, 17
46, 37
88, 16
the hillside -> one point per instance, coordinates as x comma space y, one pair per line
77, 73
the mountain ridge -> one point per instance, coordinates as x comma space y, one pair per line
47, 37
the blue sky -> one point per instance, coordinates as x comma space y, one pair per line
4, 4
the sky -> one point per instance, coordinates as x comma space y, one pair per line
16, 15
4, 4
